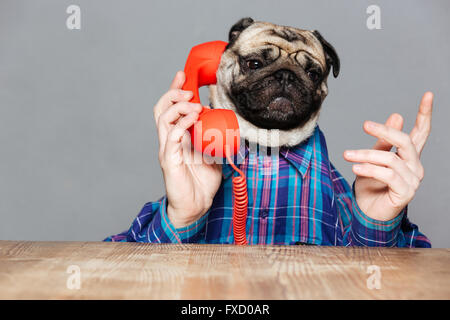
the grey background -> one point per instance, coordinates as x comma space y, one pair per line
77, 138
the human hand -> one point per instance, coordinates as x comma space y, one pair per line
387, 181
190, 186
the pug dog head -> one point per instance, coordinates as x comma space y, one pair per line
274, 78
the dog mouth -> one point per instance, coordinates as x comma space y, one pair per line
281, 104
278, 113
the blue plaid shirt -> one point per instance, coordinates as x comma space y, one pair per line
296, 196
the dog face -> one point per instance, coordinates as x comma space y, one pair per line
274, 77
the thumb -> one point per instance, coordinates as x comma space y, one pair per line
178, 80
395, 121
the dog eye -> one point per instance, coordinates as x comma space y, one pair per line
313, 75
254, 64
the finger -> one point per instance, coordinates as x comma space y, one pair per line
385, 175
178, 80
171, 115
422, 128
175, 136
168, 99
395, 121
386, 159
179, 109
397, 138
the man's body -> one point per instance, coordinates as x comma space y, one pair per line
296, 195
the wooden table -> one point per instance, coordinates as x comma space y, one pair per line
39, 270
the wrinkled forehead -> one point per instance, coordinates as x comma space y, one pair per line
272, 38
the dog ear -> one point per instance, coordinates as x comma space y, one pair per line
330, 53
237, 28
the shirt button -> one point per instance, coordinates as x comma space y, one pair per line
264, 213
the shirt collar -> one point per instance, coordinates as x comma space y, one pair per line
299, 156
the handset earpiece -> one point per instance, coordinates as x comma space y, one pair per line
216, 132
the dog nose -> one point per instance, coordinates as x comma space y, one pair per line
285, 76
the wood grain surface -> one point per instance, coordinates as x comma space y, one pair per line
38, 270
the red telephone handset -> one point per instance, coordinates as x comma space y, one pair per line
200, 69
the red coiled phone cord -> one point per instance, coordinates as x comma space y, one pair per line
240, 205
